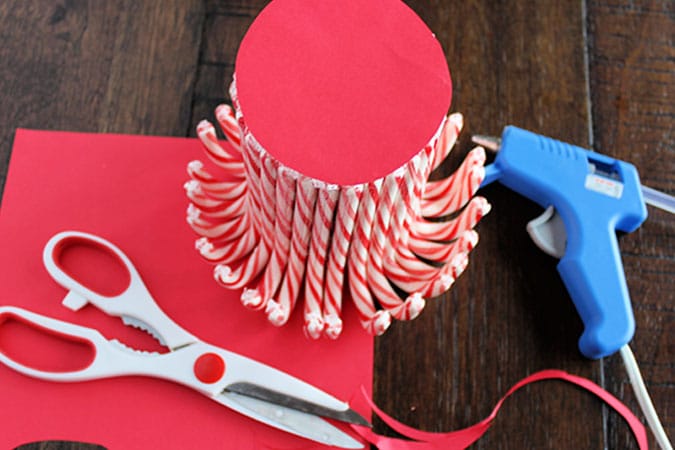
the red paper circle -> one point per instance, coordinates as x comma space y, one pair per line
342, 91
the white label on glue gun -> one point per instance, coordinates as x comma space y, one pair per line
611, 188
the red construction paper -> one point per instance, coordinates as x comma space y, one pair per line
128, 189
345, 92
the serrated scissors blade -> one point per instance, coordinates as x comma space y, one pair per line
303, 424
251, 390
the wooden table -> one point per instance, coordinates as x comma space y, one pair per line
596, 73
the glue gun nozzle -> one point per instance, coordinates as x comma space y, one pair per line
489, 142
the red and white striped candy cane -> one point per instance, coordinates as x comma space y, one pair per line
467, 219
376, 322
317, 258
438, 252
267, 287
447, 276
420, 168
237, 278
250, 268
268, 182
458, 195
262, 219
227, 252
439, 190
413, 275
414, 303
259, 257
217, 230
377, 281
207, 136
213, 186
250, 211
447, 138
228, 211
279, 309
207, 204
403, 264
404, 209
251, 156
462, 246
348, 204
230, 126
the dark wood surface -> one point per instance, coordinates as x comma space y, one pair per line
596, 73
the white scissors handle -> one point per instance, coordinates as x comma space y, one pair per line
209, 370
99, 366
201, 366
135, 301
111, 358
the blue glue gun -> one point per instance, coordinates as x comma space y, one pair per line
587, 197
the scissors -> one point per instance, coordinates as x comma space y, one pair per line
249, 387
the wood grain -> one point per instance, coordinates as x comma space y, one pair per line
632, 81
114, 66
591, 72
508, 315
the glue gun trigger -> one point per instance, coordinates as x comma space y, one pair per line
548, 233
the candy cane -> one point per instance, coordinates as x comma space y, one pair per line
403, 264
397, 243
268, 179
413, 275
227, 211
376, 322
207, 136
447, 276
259, 257
348, 204
226, 252
376, 279
437, 190
251, 158
278, 310
285, 198
467, 219
231, 229
216, 188
458, 195
409, 264
428, 284
414, 303
316, 261
237, 278
208, 204
262, 220
434, 251
228, 123
447, 139
407, 209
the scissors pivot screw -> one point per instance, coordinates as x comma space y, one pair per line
209, 368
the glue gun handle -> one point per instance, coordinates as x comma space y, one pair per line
593, 274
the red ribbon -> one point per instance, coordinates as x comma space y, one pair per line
423, 440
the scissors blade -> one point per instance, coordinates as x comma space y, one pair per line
306, 425
258, 380
251, 390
